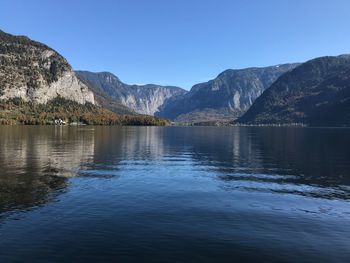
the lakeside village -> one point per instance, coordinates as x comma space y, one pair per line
60, 121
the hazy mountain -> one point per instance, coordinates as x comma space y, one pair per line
143, 99
36, 73
316, 93
226, 97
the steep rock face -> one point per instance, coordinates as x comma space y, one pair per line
315, 93
34, 72
144, 99
147, 99
225, 97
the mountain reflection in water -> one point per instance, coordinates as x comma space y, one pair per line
248, 193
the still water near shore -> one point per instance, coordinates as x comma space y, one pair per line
174, 194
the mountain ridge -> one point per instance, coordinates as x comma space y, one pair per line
225, 97
316, 93
143, 99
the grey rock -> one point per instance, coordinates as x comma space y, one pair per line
143, 99
34, 72
226, 97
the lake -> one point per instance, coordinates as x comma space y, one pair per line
174, 194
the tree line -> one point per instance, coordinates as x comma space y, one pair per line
18, 111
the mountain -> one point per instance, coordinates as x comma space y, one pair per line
143, 99
226, 97
36, 73
38, 86
316, 93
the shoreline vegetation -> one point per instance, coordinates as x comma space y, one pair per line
60, 111
18, 112
235, 124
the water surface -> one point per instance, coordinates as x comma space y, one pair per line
174, 194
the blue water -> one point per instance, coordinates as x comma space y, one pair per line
174, 194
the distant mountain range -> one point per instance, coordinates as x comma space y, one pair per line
315, 93
143, 99
225, 98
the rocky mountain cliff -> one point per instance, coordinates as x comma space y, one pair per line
315, 93
36, 73
143, 99
224, 98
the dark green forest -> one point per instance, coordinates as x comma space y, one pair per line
17, 111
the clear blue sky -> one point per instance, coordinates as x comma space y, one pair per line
181, 42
